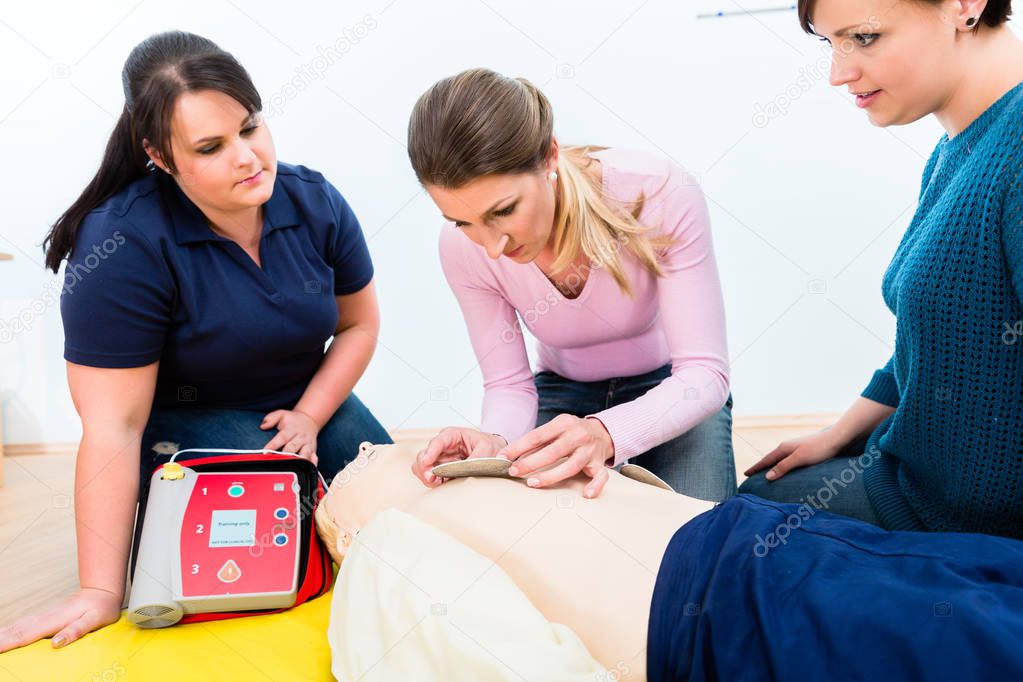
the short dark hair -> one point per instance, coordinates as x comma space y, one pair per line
996, 13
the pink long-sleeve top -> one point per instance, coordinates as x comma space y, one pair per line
603, 333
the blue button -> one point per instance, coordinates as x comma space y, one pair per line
280, 539
236, 490
281, 513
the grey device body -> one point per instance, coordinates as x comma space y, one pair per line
156, 599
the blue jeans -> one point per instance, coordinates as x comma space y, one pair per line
700, 463
336, 445
835, 485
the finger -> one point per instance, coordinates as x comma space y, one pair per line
277, 442
29, 629
545, 456
793, 461
83, 625
292, 446
567, 469
418, 470
445, 442
534, 440
271, 420
596, 486
421, 467
769, 459
307, 451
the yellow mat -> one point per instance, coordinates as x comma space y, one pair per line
282, 646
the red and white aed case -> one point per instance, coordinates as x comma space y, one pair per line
228, 535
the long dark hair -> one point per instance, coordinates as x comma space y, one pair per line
156, 73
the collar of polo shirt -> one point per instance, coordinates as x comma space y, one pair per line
190, 225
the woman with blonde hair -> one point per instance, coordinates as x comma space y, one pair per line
606, 256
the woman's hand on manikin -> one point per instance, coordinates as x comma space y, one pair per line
452, 444
583, 443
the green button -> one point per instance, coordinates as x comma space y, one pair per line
235, 491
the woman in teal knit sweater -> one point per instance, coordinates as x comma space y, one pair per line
935, 442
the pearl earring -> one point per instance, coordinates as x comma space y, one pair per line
553, 176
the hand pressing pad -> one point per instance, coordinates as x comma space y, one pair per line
480, 466
638, 473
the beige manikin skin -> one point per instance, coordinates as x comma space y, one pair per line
589, 564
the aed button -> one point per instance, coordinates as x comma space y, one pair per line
236, 490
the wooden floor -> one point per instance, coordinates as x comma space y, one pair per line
37, 532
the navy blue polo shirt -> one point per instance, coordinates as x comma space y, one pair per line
149, 280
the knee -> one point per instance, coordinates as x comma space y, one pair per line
758, 485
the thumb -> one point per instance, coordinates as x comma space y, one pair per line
271, 420
74, 630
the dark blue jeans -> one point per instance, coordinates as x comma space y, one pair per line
700, 463
173, 429
835, 485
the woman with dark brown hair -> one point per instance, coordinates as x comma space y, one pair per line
606, 256
203, 280
942, 421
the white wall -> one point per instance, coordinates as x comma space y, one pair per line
807, 206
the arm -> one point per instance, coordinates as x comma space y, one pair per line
860, 420
509, 394
862, 417
114, 406
355, 340
692, 316
883, 388
343, 365
876, 403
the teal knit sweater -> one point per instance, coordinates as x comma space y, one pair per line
951, 456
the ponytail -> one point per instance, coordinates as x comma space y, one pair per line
122, 164
586, 221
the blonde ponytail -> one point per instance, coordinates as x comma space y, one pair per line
479, 123
586, 221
